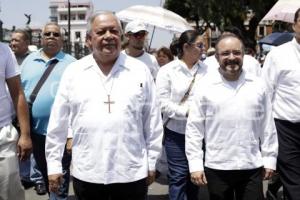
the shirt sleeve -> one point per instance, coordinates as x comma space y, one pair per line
12, 67
270, 74
269, 142
170, 109
152, 124
194, 135
58, 127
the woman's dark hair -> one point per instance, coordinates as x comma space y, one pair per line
165, 51
297, 15
188, 37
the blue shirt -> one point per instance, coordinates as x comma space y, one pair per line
33, 68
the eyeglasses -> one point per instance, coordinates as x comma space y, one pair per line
235, 53
139, 34
199, 45
54, 34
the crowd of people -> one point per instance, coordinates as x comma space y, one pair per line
219, 120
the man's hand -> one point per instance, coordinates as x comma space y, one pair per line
268, 173
69, 145
55, 181
198, 178
151, 177
24, 147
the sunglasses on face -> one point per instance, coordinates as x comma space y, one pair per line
139, 34
200, 45
54, 34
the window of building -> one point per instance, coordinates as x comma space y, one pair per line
78, 36
63, 17
81, 16
261, 31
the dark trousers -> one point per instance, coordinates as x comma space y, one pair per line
118, 191
38, 144
180, 185
241, 184
288, 162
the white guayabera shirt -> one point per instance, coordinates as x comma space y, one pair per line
116, 122
236, 122
281, 73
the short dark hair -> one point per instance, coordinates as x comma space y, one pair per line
297, 15
229, 35
167, 52
24, 33
188, 37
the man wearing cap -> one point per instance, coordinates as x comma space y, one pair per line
136, 33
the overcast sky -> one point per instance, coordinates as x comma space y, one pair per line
12, 11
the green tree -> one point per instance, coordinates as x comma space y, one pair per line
222, 13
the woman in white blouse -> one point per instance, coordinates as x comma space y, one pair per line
173, 83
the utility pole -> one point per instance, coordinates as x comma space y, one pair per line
1, 28
69, 27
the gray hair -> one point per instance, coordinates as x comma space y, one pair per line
24, 33
98, 13
52, 24
229, 35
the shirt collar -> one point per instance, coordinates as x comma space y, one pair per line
218, 79
120, 63
184, 67
296, 44
59, 56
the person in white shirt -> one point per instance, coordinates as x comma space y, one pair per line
108, 100
250, 64
281, 72
173, 83
12, 145
136, 33
231, 113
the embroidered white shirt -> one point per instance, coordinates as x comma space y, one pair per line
172, 81
108, 147
281, 73
236, 123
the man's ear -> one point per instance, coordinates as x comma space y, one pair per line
293, 26
217, 56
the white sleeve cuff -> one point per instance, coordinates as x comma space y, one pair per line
54, 167
270, 162
196, 165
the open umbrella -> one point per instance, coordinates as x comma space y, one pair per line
283, 10
277, 38
155, 16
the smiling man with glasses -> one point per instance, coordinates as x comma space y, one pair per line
34, 67
136, 34
232, 114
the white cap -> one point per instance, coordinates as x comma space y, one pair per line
135, 26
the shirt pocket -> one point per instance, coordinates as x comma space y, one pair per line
133, 100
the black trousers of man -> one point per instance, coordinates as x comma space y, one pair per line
235, 184
288, 162
117, 191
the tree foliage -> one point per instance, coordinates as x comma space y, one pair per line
222, 13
